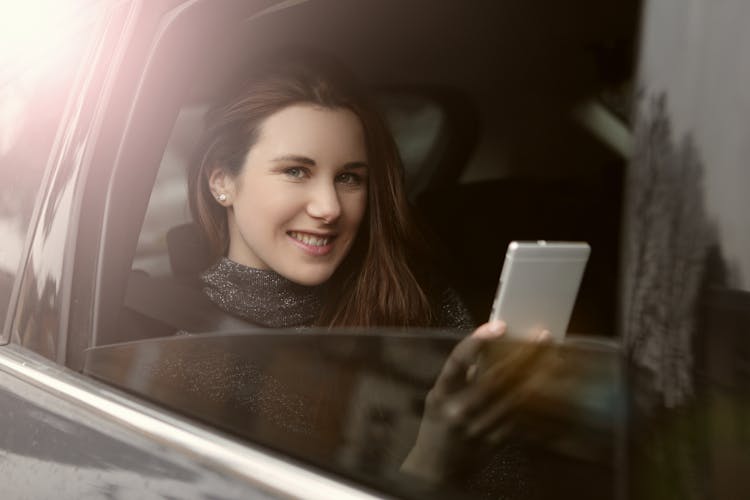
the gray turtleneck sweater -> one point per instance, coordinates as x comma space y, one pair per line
265, 298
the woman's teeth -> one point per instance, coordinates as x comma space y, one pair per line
308, 239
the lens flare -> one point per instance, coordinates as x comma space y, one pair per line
34, 29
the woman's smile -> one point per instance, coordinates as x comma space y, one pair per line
312, 243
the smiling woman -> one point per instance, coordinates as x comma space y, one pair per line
300, 185
298, 202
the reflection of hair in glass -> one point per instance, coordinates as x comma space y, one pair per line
377, 283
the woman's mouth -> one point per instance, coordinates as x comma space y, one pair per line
310, 239
312, 243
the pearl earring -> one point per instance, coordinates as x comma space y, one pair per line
222, 197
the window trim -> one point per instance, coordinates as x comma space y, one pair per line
69, 118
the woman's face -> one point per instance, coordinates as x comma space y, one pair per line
299, 200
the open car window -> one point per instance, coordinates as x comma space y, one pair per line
351, 403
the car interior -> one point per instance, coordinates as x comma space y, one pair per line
483, 106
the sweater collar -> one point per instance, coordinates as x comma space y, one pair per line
260, 296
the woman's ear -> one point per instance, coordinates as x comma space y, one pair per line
222, 186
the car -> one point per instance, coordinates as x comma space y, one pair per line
118, 378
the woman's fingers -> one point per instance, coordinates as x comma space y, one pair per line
505, 364
453, 373
501, 377
472, 380
461, 363
506, 375
496, 415
490, 330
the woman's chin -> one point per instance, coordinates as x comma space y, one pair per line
308, 277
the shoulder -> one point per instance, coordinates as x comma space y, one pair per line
451, 312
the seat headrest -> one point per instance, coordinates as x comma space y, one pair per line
188, 252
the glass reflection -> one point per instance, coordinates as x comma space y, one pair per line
415, 414
36, 75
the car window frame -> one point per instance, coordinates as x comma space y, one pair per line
60, 160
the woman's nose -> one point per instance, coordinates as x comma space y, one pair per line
324, 203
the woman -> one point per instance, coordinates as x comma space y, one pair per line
300, 195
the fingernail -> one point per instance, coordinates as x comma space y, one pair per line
497, 326
544, 335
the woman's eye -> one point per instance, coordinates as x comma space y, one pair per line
295, 172
350, 179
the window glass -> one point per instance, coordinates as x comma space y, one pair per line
359, 406
36, 75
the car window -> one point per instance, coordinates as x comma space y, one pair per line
354, 404
345, 402
36, 76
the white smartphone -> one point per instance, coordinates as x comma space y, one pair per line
538, 287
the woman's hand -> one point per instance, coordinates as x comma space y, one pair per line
473, 399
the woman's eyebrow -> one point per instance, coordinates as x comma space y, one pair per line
309, 161
296, 159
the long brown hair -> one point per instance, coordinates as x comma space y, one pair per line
378, 283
